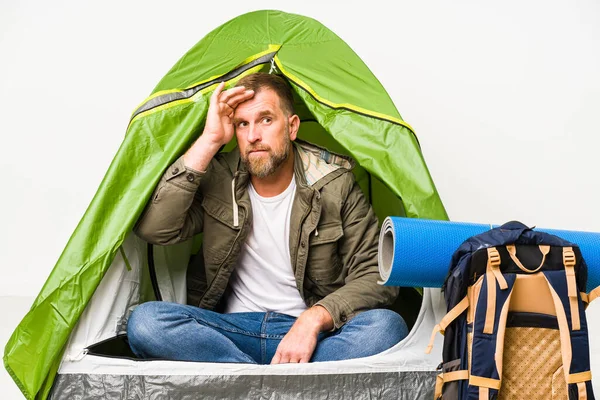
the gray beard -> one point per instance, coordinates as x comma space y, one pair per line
262, 168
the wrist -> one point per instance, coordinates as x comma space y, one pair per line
208, 142
199, 155
317, 319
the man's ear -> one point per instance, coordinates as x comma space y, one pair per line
294, 123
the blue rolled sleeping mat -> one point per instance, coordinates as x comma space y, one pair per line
417, 252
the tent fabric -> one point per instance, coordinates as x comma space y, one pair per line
333, 88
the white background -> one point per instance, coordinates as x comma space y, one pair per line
504, 97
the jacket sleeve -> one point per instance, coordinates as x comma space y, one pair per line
358, 251
174, 212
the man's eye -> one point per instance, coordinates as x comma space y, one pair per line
242, 124
267, 120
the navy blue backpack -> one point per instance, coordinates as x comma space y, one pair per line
516, 326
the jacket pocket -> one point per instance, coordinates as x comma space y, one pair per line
219, 232
324, 264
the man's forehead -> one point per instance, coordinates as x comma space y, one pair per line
258, 105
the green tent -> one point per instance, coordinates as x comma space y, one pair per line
102, 273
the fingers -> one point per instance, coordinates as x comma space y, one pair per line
286, 359
230, 97
215, 96
234, 97
225, 95
234, 101
295, 347
289, 357
276, 358
281, 356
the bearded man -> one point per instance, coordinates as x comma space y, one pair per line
289, 270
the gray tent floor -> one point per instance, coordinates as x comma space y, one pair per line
384, 385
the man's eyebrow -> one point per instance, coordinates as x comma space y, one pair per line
261, 114
264, 113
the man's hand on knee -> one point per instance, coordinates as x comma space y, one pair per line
298, 345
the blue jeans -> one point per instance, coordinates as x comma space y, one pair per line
174, 331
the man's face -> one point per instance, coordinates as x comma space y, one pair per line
263, 133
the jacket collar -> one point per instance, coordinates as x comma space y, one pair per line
314, 167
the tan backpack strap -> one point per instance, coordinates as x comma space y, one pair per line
463, 374
445, 377
581, 391
494, 265
565, 341
484, 393
447, 319
593, 295
580, 377
512, 251
492, 274
588, 298
569, 262
439, 385
484, 382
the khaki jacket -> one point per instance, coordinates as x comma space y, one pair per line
333, 229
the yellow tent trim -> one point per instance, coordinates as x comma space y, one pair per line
272, 48
195, 97
331, 104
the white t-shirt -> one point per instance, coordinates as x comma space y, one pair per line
263, 279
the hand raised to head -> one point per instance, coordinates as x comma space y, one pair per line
219, 127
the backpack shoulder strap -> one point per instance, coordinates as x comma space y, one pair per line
488, 338
587, 298
574, 348
447, 320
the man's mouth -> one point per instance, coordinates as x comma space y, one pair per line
257, 151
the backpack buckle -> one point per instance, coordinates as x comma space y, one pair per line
568, 257
493, 257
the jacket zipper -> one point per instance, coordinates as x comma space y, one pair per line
302, 221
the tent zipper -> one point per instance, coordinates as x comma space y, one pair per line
187, 93
152, 270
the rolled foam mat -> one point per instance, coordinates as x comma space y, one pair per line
417, 252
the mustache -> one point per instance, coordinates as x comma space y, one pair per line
259, 147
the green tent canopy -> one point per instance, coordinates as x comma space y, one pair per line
102, 273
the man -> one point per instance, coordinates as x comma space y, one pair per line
290, 244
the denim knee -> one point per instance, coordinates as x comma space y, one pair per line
144, 327
386, 327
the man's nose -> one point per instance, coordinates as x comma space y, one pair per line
254, 133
